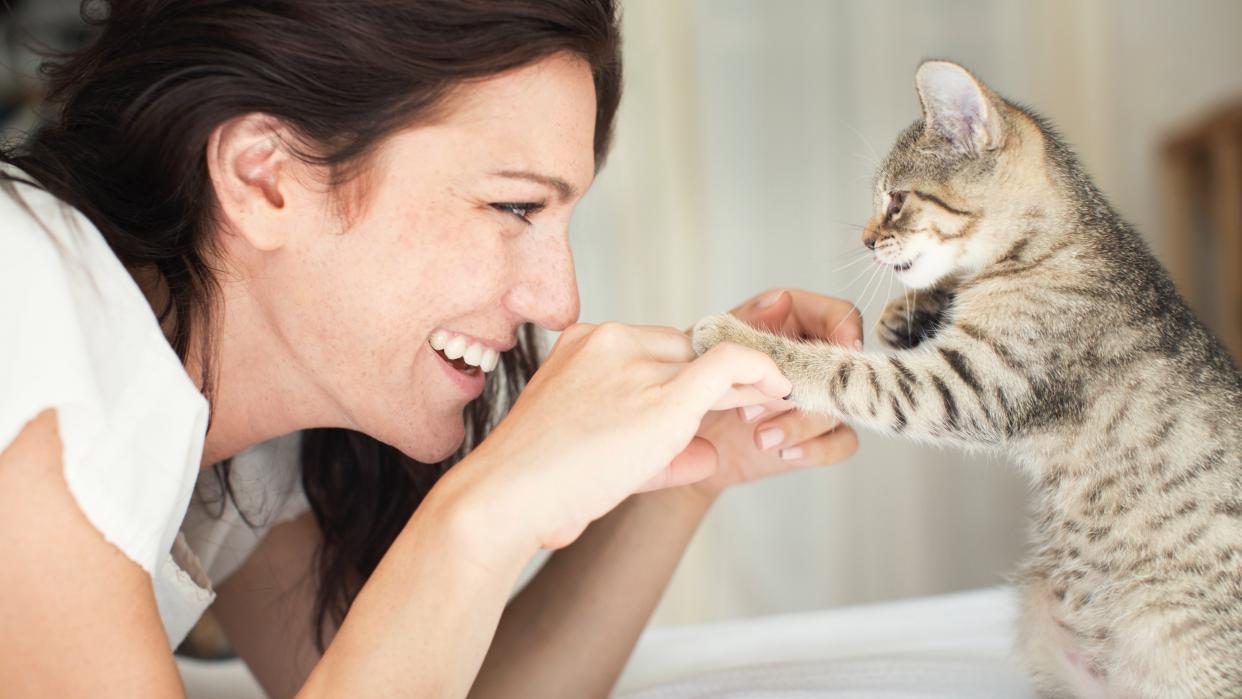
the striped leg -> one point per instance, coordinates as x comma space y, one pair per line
961, 387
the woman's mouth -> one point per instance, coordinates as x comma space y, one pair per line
464, 354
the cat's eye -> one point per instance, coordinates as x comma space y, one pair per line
896, 200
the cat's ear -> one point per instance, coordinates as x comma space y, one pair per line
959, 107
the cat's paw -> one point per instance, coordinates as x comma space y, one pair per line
906, 325
716, 329
896, 328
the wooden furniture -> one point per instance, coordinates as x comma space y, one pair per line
1202, 178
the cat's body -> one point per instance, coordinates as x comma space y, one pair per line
1048, 330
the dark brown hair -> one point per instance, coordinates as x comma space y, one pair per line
126, 146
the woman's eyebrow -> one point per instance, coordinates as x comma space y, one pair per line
563, 189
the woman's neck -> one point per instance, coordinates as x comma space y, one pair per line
256, 388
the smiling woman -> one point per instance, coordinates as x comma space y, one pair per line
344, 253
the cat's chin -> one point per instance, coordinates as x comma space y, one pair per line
919, 276
925, 266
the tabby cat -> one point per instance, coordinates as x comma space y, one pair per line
1044, 327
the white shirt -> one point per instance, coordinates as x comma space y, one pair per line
79, 337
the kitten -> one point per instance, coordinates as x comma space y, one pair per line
1044, 327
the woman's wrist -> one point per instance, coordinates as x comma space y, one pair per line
694, 499
447, 576
477, 524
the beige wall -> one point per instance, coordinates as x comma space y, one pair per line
744, 151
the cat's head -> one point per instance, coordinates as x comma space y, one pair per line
951, 196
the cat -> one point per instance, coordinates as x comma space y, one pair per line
1044, 327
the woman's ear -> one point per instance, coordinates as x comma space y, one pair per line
250, 169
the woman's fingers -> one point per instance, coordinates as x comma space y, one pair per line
696, 462
665, 344
719, 377
790, 428
824, 318
654, 342
741, 396
764, 411
829, 448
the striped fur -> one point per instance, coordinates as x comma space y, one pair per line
1047, 330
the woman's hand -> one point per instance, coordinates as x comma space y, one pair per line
763, 440
613, 410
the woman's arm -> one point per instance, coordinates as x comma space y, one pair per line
589, 602
77, 617
422, 623
424, 619
569, 632
572, 628
265, 607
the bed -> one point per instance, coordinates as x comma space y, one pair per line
954, 645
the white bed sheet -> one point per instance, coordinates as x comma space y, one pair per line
948, 646
955, 645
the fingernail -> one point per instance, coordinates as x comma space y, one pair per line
750, 412
770, 438
857, 345
770, 298
791, 453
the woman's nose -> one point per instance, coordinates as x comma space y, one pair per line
545, 291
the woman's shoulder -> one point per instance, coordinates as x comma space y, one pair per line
50, 252
64, 292
81, 339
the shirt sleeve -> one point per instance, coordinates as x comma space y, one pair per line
80, 338
224, 526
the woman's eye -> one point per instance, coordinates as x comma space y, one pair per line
896, 200
522, 210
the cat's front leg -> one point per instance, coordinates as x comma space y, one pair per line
963, 389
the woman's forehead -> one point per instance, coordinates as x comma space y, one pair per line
540, 117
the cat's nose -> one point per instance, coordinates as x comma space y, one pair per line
870, 243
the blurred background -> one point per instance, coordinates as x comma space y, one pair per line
745, 147
747, 139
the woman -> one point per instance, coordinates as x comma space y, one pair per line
334, 219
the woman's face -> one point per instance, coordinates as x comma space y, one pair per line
461, 236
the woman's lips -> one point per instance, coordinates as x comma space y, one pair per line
470, 379
465, 353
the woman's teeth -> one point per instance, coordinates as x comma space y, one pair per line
457, 347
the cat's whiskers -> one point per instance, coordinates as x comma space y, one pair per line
850, 263
857, 226
885, 270
875, 157
874, 275
850, 283
910, 310
888, 293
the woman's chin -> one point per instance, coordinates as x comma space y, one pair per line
434, 442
